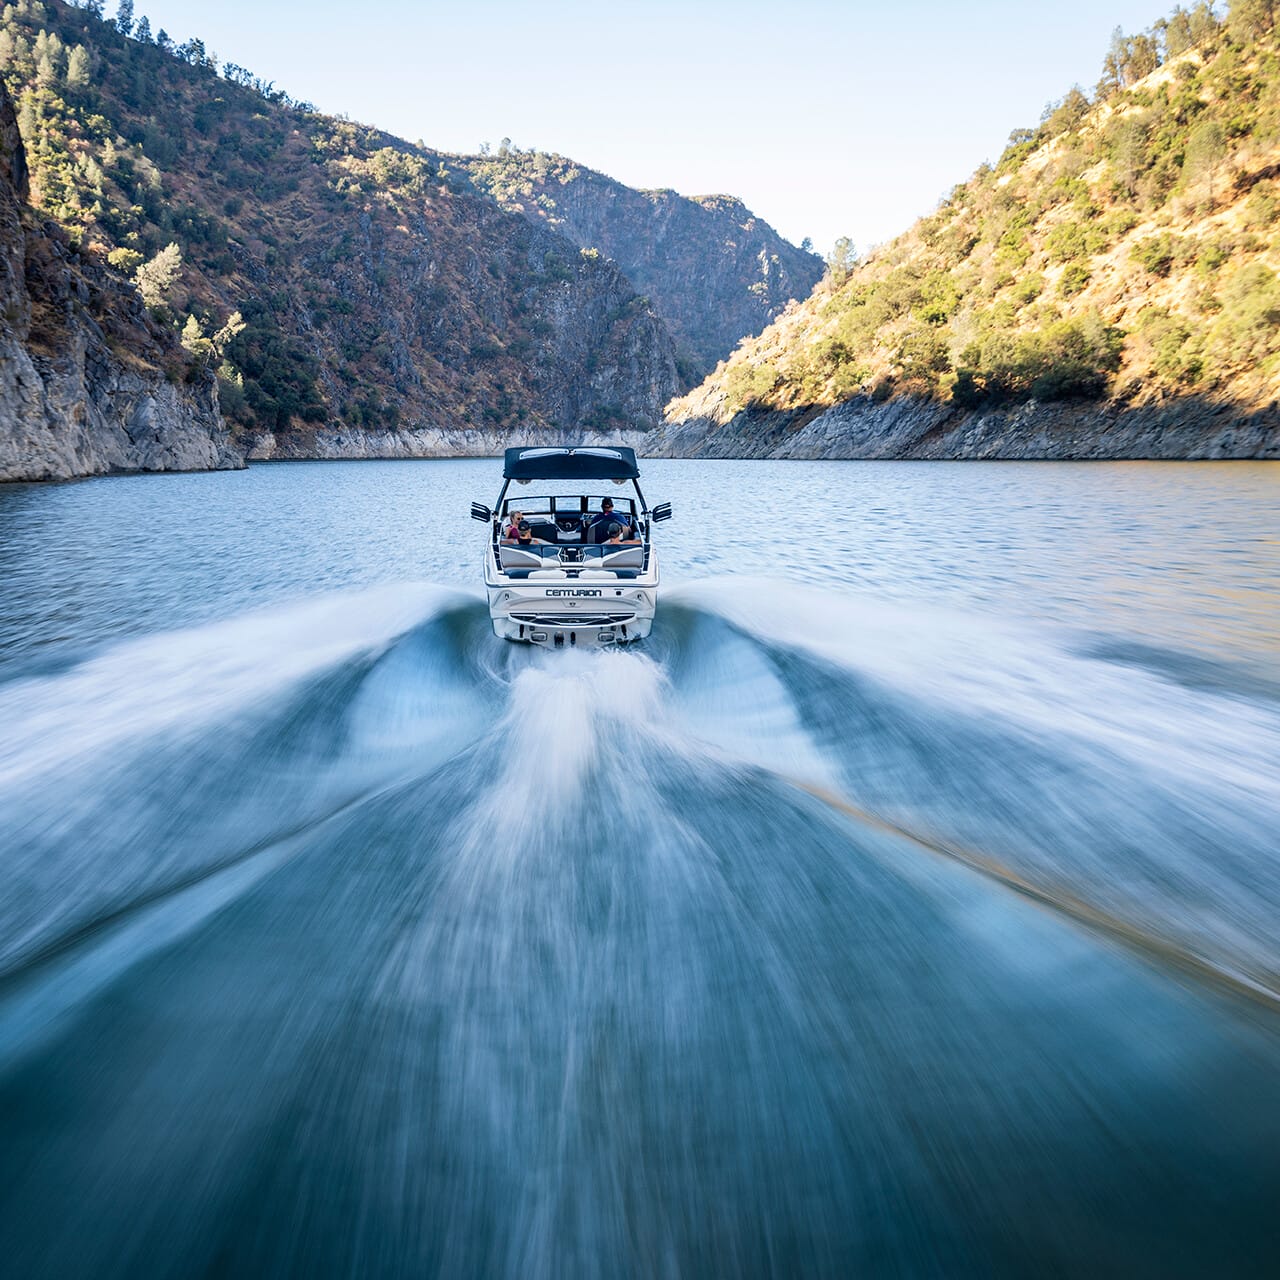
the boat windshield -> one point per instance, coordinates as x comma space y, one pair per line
566, 506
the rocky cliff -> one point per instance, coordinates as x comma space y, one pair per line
714, 272
83, 385
333, 443
923, 428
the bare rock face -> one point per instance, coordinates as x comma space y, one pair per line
83, 385
15, 306
83, 413
342, 442
910, 427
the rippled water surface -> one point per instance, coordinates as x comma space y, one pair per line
905, 905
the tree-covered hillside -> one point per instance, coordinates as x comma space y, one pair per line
329, 272
742, 272
1125, 248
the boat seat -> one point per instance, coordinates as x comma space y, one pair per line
599, 532
623, 558
518, 558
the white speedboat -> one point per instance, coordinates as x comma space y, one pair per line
575, 568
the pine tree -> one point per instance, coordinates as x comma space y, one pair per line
841, 260
124, 17
1177, 35
142, 33
28, 121
1250, 19
1112, 78
1204, 24
1128, 60
78, 68
155, 279
1144, 58
1206, 148
1128, 151
194, 341
1062, 117
222, 339
195, 53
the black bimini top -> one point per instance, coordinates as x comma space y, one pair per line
616, 462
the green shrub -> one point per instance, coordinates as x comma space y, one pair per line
1177, 353
1074, 279
828, 366
1066, 359
1119, 223
922, 354
1260, 209
1076, 357
279, 372
1071, 241
749, 385
1210, 257
940, 296
1157, 254
956, 244
967, 391
1250, 323
848, 380
231, 397
125, 260
1029, 288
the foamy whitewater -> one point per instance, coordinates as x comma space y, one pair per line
828, 933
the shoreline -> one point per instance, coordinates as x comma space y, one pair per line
860, 429
494, 457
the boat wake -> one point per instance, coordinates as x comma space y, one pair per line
349, 938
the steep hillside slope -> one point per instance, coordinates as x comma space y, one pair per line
713, 270
378, 291
1108, 288
88, 382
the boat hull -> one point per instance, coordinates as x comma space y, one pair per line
564, 612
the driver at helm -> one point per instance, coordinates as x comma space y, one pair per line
608, 516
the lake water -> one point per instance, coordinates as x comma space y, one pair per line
905, 904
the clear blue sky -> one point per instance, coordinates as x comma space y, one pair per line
827, 118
